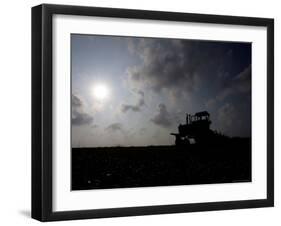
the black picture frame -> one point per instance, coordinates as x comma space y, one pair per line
42, 107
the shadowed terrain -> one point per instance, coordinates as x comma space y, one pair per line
121, 167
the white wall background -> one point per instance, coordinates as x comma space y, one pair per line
15, 114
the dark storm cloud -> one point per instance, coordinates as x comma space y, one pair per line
184, 67
162, 118
241, 83
231, 107
227, 115
165, 65
114, 127
238, 85
243, 80
79, 116
135, 108
173, 64
233, 121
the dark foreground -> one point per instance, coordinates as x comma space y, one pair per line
120, 167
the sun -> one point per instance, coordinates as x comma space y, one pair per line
100, 91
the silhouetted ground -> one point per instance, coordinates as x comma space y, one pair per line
120, 167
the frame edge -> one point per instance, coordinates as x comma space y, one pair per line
36, 69
270, 112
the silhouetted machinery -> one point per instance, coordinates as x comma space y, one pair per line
197, 128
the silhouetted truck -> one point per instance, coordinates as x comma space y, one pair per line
197, 128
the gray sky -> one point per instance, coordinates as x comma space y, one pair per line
129, 91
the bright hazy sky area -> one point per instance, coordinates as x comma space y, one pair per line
130, 91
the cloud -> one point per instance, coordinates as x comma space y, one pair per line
135, 108
127, 107
163, 65
162, 118
176, 65
76, 102
210, 103
189, 72
234, 120
226, 116
79, 116
114, 127
242, 81
239, 84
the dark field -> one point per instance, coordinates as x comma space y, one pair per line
121, 167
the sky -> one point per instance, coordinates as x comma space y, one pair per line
135, 91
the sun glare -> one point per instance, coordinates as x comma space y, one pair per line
100, 91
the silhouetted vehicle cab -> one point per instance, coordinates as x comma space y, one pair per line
197, 127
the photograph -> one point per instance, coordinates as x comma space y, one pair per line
149, 111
